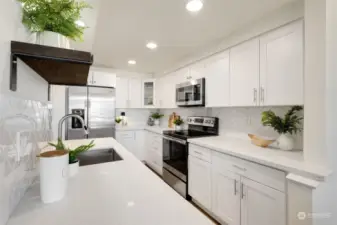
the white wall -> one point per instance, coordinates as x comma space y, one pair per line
30, 85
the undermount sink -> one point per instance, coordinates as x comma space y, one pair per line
98, 156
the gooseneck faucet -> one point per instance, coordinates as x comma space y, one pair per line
85, 128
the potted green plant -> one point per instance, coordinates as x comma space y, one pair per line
286, 126
54, 21
73, 153
156, 117
118, 121
178, 122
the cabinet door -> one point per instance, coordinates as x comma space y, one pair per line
261, 205
217, 81
197, 71
168, 92
244, 74
90, 78
226, 196
282, 66
122, 93
127, 139
148, 90
104, 79
199, 181
140, 145
135, 93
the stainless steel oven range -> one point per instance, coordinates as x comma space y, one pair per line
175, 151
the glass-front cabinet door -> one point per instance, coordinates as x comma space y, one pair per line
148, 93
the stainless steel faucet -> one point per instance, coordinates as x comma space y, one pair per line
85, 128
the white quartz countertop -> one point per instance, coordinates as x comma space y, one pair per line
157, 129
289, 161
117, 193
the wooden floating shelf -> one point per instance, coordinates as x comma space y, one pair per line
55, 65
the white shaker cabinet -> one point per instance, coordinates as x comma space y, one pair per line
197, 71
122, 93
226, 196
217, 81
128, 93
133, 141
154, 151
244, 74
101, 79
199, 181
149, 93
281, 66
261, 205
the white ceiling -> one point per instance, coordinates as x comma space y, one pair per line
119, 29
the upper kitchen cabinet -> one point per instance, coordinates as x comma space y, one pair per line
217, 80
197, 71
182, 75
168, 90
244, 74
148, 90
281, 66
101, 79
128, 93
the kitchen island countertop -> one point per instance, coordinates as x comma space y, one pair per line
116, 193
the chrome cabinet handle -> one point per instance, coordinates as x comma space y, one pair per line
235, 191
262, 94
255, 94
242, 191
240, 168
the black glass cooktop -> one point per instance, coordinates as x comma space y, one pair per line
186, 134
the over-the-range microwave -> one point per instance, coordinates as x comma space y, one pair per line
191, 93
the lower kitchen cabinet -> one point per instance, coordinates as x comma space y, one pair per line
154, 151
133, 141
199, 178
261, 205
226, 196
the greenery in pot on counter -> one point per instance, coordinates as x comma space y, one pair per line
118, 120
178, 121
72, 152
290, 124
156, 115
59, 16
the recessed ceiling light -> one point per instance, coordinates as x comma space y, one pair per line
194, 5
151, 45
132, 62
80, 23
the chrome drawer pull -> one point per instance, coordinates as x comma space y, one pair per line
240, 168
235, 191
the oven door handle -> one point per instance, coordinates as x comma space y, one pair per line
183, 142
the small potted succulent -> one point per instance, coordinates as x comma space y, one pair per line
74, 163
54, 21
156, 117
286, 126
118, 121
178, 122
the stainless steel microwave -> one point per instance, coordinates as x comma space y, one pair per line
191, 93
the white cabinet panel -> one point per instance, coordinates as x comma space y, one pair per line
244, 74
281, 76
127, 139
217, 81
199, 186
101, 79
197, 71
135, 93
261, 205
122, 93
226, 196
153, 151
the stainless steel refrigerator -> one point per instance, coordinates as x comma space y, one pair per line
96, 106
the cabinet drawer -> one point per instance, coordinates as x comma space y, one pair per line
200, 153
155, 161
265, 175
125, 134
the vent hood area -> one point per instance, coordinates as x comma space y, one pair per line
55, 65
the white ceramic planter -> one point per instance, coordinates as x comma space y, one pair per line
285, 142
73, 168
52, 39
178, 128
157, 122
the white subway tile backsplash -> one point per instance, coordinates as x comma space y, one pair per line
23, 123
